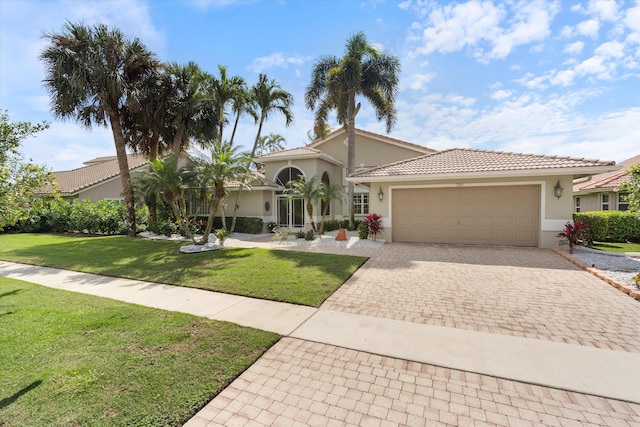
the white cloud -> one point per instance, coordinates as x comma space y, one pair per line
419, 81
277, 59
588, 28
563, 78
501, 94
574, 48
605, 10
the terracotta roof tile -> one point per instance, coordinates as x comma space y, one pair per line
411, 145
608, 180
299, 152
96, 171
460, 160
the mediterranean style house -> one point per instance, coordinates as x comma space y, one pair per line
601, 192
459, 196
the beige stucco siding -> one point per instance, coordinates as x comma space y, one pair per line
369, 151
111, 189
552, 216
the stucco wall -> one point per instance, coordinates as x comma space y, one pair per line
111, 189
554, 212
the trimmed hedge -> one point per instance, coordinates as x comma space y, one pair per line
615, 226
62, 216
243, 224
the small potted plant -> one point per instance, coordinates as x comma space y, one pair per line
221, 234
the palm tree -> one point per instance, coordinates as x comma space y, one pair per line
269, 98
192, 111
270, 143
224, 91
335, 84
242, 103
166, 181
89, 74
224, 164
327, 193
306, 190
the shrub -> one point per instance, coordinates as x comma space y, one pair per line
166, 228
363, 231
243, 224
620, 226
309, 235
301, 234
574, 233
373, 222
332, 225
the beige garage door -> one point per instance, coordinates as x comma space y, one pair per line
502, 215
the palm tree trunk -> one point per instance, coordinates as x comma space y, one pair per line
310, 212
235, 211
351, 166
255, 143
324, 215
213, 208
235, 126
177, 142
125, 177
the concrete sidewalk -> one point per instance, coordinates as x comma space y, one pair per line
594, 371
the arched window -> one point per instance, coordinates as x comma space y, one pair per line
327, 182
288, 174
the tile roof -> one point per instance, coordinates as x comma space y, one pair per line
386, 138
468, 161
96, 171
608, 180
299, 152
260, 180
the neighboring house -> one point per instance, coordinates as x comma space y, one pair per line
98, 180
454, 196
602, 192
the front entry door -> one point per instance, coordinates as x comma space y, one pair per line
290, 212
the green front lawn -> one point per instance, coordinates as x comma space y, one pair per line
69, 359
296, 277
616, 247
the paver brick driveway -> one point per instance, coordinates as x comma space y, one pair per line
529, 293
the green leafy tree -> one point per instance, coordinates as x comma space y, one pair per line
326, 194
18, 179
632, 187
90, 74
337, 82
307, 190
223, 164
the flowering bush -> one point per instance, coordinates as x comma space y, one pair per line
221, 233
373, 224
636, 279
574, 233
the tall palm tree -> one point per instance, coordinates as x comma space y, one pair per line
89, 74
307, 190
327, 193
224, 164
270, 98
225, 91
270, 143
337, 82
166, 181
242, 103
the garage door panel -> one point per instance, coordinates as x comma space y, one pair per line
501, 215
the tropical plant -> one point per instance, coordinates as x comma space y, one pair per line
18, 179
574, 233
225, 91
223, 164
337, 82
90, 74
373, 225
633, 189
327, 193
270, 143
307, 190
166, 181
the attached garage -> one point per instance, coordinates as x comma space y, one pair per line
463, 196
495, 215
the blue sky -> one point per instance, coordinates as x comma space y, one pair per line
543, 77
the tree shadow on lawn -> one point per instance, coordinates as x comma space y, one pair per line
15, 396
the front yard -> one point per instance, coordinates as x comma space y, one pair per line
295, 277
70, 359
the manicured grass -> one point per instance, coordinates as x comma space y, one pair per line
616, 247
289, 276
69, 359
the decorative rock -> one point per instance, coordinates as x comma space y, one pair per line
342, 235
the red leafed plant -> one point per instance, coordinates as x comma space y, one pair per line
373, 222
574, 233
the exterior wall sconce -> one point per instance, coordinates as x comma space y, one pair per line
557, 190
380, 194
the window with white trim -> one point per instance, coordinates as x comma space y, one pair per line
604, 205
361, 203
623, 202
577, 204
